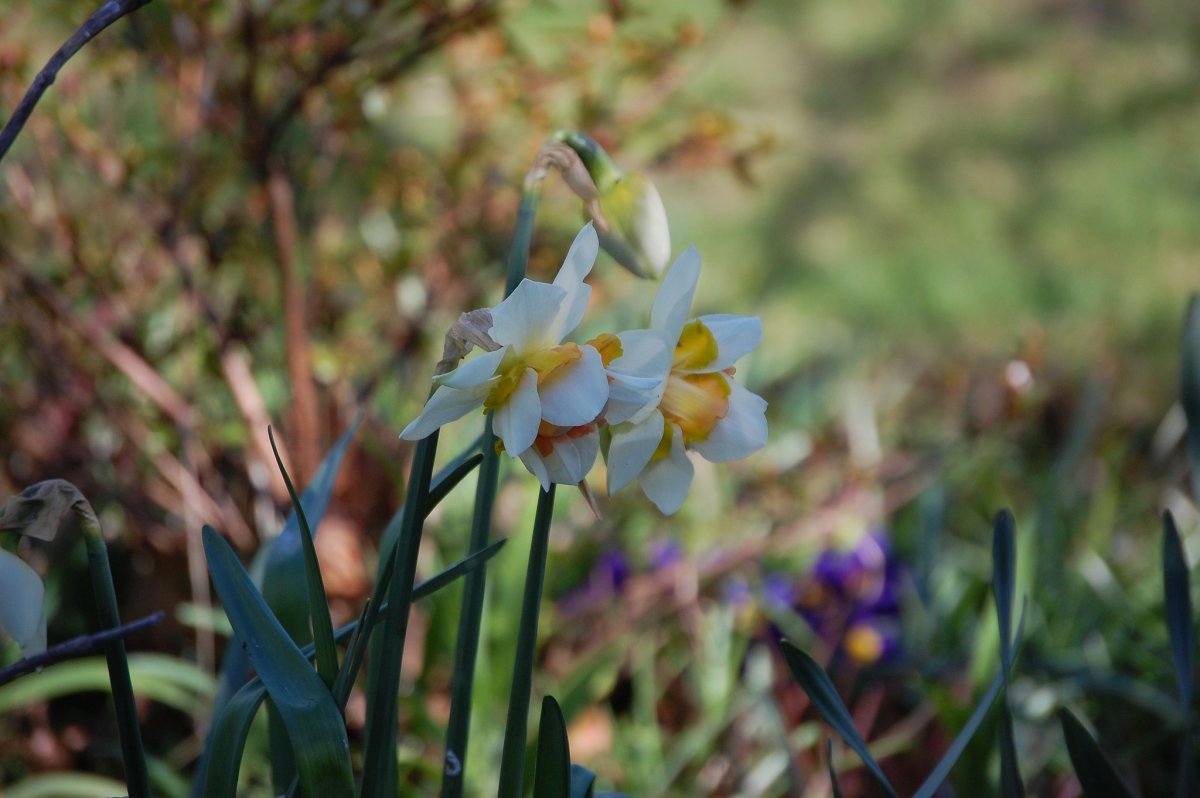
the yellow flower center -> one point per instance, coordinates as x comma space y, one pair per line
694, 403
609, 347
548, 363
697, 347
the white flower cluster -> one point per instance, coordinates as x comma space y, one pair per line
657, 393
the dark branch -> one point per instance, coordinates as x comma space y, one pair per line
110, 12
77, 647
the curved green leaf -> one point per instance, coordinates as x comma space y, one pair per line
1004, 566
552, 773
284, 584
820, 689
230, 730
1177, 605
939, 774
318, 603
305, 705
1096, 774
833, 782
167, 680
65, 785
1189, 386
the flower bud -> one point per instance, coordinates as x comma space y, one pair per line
36, 512
632, 223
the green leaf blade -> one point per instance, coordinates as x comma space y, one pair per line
318, 604
820, 689
306, 707
1177, 606
1096, 773
552, 773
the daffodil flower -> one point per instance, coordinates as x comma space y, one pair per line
694, 406
530, 376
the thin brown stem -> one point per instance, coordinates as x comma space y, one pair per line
107, 14
76, 647
304, 395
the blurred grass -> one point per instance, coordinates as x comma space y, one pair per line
914, 198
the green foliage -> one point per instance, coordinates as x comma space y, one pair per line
313, 722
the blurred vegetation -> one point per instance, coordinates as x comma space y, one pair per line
969, 228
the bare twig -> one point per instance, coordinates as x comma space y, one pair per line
76, 647
110, 12
304, 394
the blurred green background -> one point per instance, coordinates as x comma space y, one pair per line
969, 228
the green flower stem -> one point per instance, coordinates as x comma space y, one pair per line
466, 649
379, 762
512, 758
136, 777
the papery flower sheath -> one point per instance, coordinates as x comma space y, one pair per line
530, 377
695, 404
35, 512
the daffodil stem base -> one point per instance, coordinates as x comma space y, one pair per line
512, 760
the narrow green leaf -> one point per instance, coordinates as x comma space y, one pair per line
820, 689
939, 774
552, 773
466, 646
1004, 564
1096, 773
383, 676
157, 677
284, 583
453, 473
318, 604
64, 785
231, 727
442, 483
314, 723
833, 782
512, 755
583, 782
1177, 605
1189, 386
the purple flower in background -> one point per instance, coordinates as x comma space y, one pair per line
665, 552
851, 599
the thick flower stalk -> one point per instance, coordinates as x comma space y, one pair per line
535, 384
695, 405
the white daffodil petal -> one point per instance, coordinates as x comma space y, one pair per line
673, 304
474, 371
736, 336
447, 404
631, 448
666, 482
651, 231
572, 458
516, 421
537, 466
22, 606
741, 432
632, 398
644, 353
576, 396
579, 261
525, 318
580, 258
